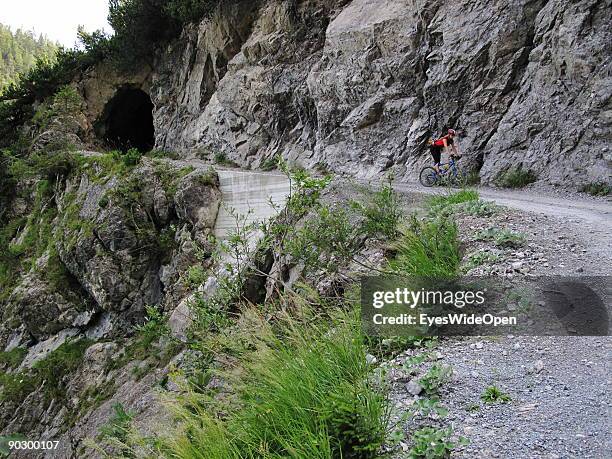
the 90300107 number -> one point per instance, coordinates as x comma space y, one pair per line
33, 444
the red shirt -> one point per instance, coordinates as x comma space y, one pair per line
440, 141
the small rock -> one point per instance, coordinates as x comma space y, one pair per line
538, 366
479, 345
370, 359
517, 265
516, 346
414, 387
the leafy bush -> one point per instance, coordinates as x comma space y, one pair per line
432, 443
501, 237
516, 178
222, 159
131, 157
493, 394
195, 276
479, 208
597, 189
478, 259
427, 248
437, 376
326, 241
15, 387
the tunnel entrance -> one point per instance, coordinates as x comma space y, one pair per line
127, 121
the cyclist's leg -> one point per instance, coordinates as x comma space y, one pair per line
436, 153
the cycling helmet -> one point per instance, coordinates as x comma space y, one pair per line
452, 132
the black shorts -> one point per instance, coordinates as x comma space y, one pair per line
436, 153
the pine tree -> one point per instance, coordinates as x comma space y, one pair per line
20, 50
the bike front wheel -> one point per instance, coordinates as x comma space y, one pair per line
459, 178
428, 176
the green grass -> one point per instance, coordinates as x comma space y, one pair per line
222, 159
50, 371
428, 248
441, 201
465, 202
13, 358
597, 189
516, 178
118, 426
302, 392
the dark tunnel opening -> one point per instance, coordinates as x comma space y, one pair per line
127, 121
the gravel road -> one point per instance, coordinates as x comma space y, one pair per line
559, 387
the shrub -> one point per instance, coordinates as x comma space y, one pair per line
269, 163
195, 276
222, 159
15, 387
597, 189
516, 178
131, 157
326, 241
382, 213
427, 248
103, 202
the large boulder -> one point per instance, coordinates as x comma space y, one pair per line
119, 236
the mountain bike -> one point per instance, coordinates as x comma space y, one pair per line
450, 174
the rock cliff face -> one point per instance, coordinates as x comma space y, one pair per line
357, 87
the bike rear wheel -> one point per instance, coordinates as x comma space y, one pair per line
428, 176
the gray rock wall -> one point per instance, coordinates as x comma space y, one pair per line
357, 87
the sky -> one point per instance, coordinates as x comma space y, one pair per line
57, 19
